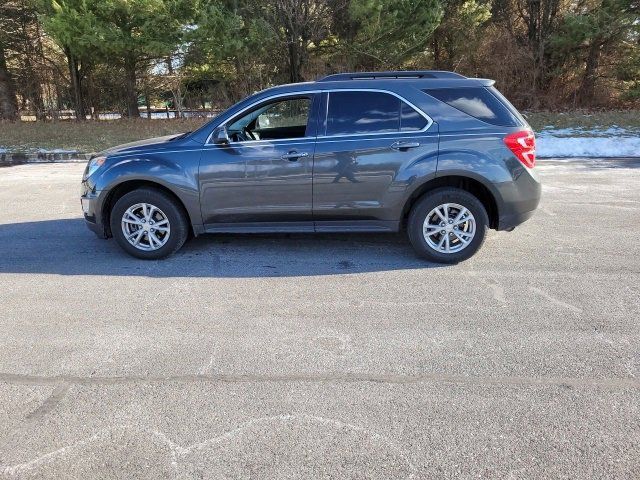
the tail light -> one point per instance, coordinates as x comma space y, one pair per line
523, 146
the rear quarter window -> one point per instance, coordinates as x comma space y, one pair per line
477, 102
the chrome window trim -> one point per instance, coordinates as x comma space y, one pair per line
473, 133
258, 102
341, 138
328, 92
248, 143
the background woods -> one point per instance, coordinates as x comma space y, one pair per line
83, 58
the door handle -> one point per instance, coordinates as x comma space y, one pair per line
293, 156
404, 145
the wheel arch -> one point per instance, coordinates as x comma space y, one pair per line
472, 185
121, 189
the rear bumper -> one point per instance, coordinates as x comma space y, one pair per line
520, 201
509, 222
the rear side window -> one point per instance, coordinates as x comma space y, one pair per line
410, 120
356, 112
477, 102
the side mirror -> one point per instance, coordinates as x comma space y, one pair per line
221, 136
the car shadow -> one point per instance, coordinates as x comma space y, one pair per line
67, 247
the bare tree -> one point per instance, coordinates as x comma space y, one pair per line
8, 33
298, 25
8, 104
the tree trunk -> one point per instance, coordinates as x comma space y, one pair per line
36, 80
38, 102
147, 101
76, 86
177, 101
130, 89
587, 88
294, 61
8, 103
437, 56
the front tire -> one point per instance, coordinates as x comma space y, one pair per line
447, 225
149, 224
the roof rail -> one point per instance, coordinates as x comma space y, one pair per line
409, 74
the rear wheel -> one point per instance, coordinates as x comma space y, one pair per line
447, 225
149, 224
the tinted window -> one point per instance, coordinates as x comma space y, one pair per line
362, 112
477, 102
410, 120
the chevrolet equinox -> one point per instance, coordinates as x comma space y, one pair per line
440, 155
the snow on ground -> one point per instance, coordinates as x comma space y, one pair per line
574, 142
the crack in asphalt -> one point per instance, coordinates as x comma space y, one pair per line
50, 402
614, 383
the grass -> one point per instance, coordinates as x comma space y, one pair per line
583, 119
93, 136
90, 136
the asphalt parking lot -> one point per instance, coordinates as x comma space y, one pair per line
332, 356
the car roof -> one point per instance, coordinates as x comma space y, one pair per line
421, 79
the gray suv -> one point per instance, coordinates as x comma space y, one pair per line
434, 153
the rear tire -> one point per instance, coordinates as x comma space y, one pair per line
149, 224
447, 225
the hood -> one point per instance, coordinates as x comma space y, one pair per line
142, 145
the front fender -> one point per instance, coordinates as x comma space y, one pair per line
178, 175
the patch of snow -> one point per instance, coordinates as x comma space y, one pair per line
56, 151
587, 147
588, 132
575, 142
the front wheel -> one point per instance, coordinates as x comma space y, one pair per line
447, 225
149, 224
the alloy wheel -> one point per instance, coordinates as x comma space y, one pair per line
449, 228
145, 226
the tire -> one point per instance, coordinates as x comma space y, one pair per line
169, 235
423, 218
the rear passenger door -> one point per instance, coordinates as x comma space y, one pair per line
367, 141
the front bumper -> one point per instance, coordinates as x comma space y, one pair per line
90, 201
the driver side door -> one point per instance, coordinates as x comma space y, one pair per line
262, 180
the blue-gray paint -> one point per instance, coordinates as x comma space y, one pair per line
344, 183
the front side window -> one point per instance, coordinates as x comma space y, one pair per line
361, 112
277, 120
